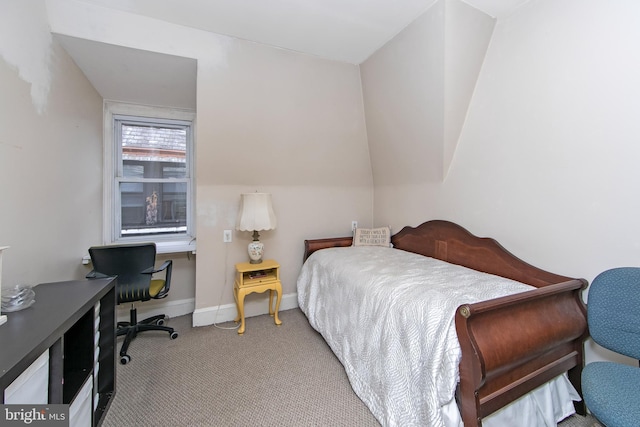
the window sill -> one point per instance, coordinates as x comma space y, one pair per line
175, 247
163, 248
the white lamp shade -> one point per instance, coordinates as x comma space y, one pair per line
256, 213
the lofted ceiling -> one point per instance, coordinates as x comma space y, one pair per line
342, 30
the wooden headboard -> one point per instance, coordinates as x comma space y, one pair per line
450, 242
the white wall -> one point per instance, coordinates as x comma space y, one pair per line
284, 123
417, 90
267, 120
51, 160
467, 34
50, 153
556, 106
547, 159
403, 90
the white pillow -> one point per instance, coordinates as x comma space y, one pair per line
380, 236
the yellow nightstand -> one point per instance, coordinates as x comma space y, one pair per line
257, 278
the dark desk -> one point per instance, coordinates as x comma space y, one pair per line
63, 320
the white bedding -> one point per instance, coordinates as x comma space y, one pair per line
388, 315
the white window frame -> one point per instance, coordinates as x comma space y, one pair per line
182, 242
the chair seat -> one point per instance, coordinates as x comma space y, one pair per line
155, 287
611, 393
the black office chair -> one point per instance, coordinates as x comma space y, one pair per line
134, 266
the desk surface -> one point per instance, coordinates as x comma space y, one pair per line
29, 332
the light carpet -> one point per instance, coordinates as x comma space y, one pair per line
270, 376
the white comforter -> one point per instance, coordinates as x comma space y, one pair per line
388, 315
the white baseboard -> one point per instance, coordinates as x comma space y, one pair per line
254, 307
149, 308
208, 315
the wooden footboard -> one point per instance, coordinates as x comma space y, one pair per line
510, 345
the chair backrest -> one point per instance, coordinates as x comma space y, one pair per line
613, 310
127, 262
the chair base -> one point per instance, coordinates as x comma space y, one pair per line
130, 330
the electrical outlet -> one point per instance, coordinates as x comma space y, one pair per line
226, 236
354, 225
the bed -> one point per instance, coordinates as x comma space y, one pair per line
513, 348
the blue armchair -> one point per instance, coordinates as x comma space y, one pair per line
612, 390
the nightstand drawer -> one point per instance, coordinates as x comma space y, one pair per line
252, 278
248, 274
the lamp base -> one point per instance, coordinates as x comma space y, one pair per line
255, 249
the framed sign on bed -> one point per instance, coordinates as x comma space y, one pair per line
445, 328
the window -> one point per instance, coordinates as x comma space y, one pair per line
148, 190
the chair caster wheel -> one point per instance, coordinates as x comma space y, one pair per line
174, 335
125, 359
160, 322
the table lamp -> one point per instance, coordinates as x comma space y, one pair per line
256, 214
